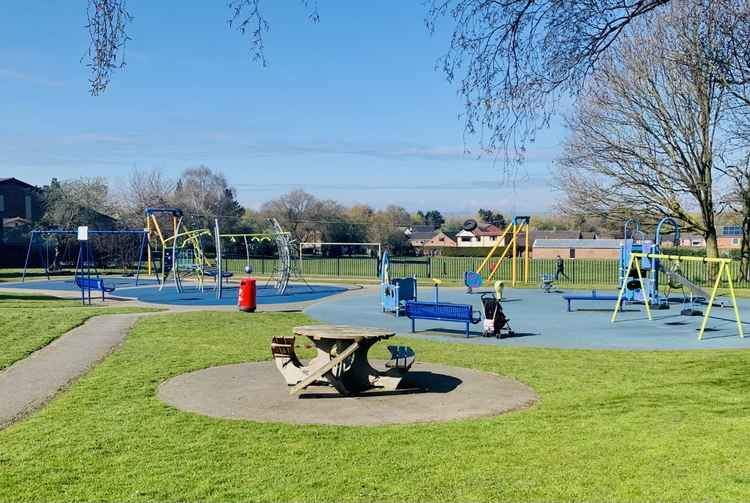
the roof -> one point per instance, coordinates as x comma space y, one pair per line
486, 230
421, 235
422, 228
436, 240
556, 234
17, 182
602, 244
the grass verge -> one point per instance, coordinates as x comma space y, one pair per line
30, 322
612, 425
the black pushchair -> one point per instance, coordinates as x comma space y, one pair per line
495, 322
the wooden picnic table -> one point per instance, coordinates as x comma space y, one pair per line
341, 360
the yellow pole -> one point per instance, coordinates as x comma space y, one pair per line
492, 251
526, 256
734, 302
499, 261
711, 301
622, 289
515, 251
646, 300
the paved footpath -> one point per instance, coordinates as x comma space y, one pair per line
30, 383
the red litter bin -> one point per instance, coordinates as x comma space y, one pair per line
246, 300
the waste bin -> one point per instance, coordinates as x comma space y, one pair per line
246, 299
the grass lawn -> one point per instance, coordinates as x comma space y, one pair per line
30, 322
611, 425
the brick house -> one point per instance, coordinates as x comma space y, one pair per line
419, 235
18, 200
730, 237
577, 248
439, 241
483, 236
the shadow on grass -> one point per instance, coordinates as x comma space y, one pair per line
13, 296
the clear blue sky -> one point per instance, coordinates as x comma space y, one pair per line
350, 108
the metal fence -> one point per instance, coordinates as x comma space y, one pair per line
599, 272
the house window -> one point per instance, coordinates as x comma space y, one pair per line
735, 241
696, 242
572, 253
731, 230
28, 208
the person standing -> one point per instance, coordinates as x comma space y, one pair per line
560, 269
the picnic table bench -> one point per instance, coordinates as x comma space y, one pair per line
570, 297
341, 359
442, 311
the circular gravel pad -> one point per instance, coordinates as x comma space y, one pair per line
256, 391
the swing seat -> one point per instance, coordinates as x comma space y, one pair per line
212, 272
94, 284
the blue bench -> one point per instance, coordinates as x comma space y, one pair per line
94, 284
570, 297
442, 311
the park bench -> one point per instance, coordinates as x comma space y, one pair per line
94, 284
285, 358
570, 297
441, 311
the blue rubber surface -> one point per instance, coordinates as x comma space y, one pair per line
541, 320
148, 291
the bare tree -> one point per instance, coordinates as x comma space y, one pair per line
514, 60
147, 189
644, 138
738, 199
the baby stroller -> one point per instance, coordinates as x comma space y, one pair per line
495, 321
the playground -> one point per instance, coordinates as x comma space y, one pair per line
150, 291
484, 384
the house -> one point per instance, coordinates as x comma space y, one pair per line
419, 235
483, 236
19, 199
439, 241
686, 241
730, 237
577, 248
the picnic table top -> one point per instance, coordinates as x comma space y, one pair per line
342, 332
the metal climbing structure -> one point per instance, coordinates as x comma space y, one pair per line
284, 264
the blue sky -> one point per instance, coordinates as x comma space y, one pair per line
350, 109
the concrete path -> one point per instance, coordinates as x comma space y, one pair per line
30, 383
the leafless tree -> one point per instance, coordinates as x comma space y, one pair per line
513, 60
144, 188
644, 138
738, 199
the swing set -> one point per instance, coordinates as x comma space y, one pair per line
638, 258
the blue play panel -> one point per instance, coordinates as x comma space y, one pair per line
541, 320
147, 291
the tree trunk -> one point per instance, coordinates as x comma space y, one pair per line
745, 243
712, 245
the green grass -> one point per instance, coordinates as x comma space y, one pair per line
30, 322
625, 426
